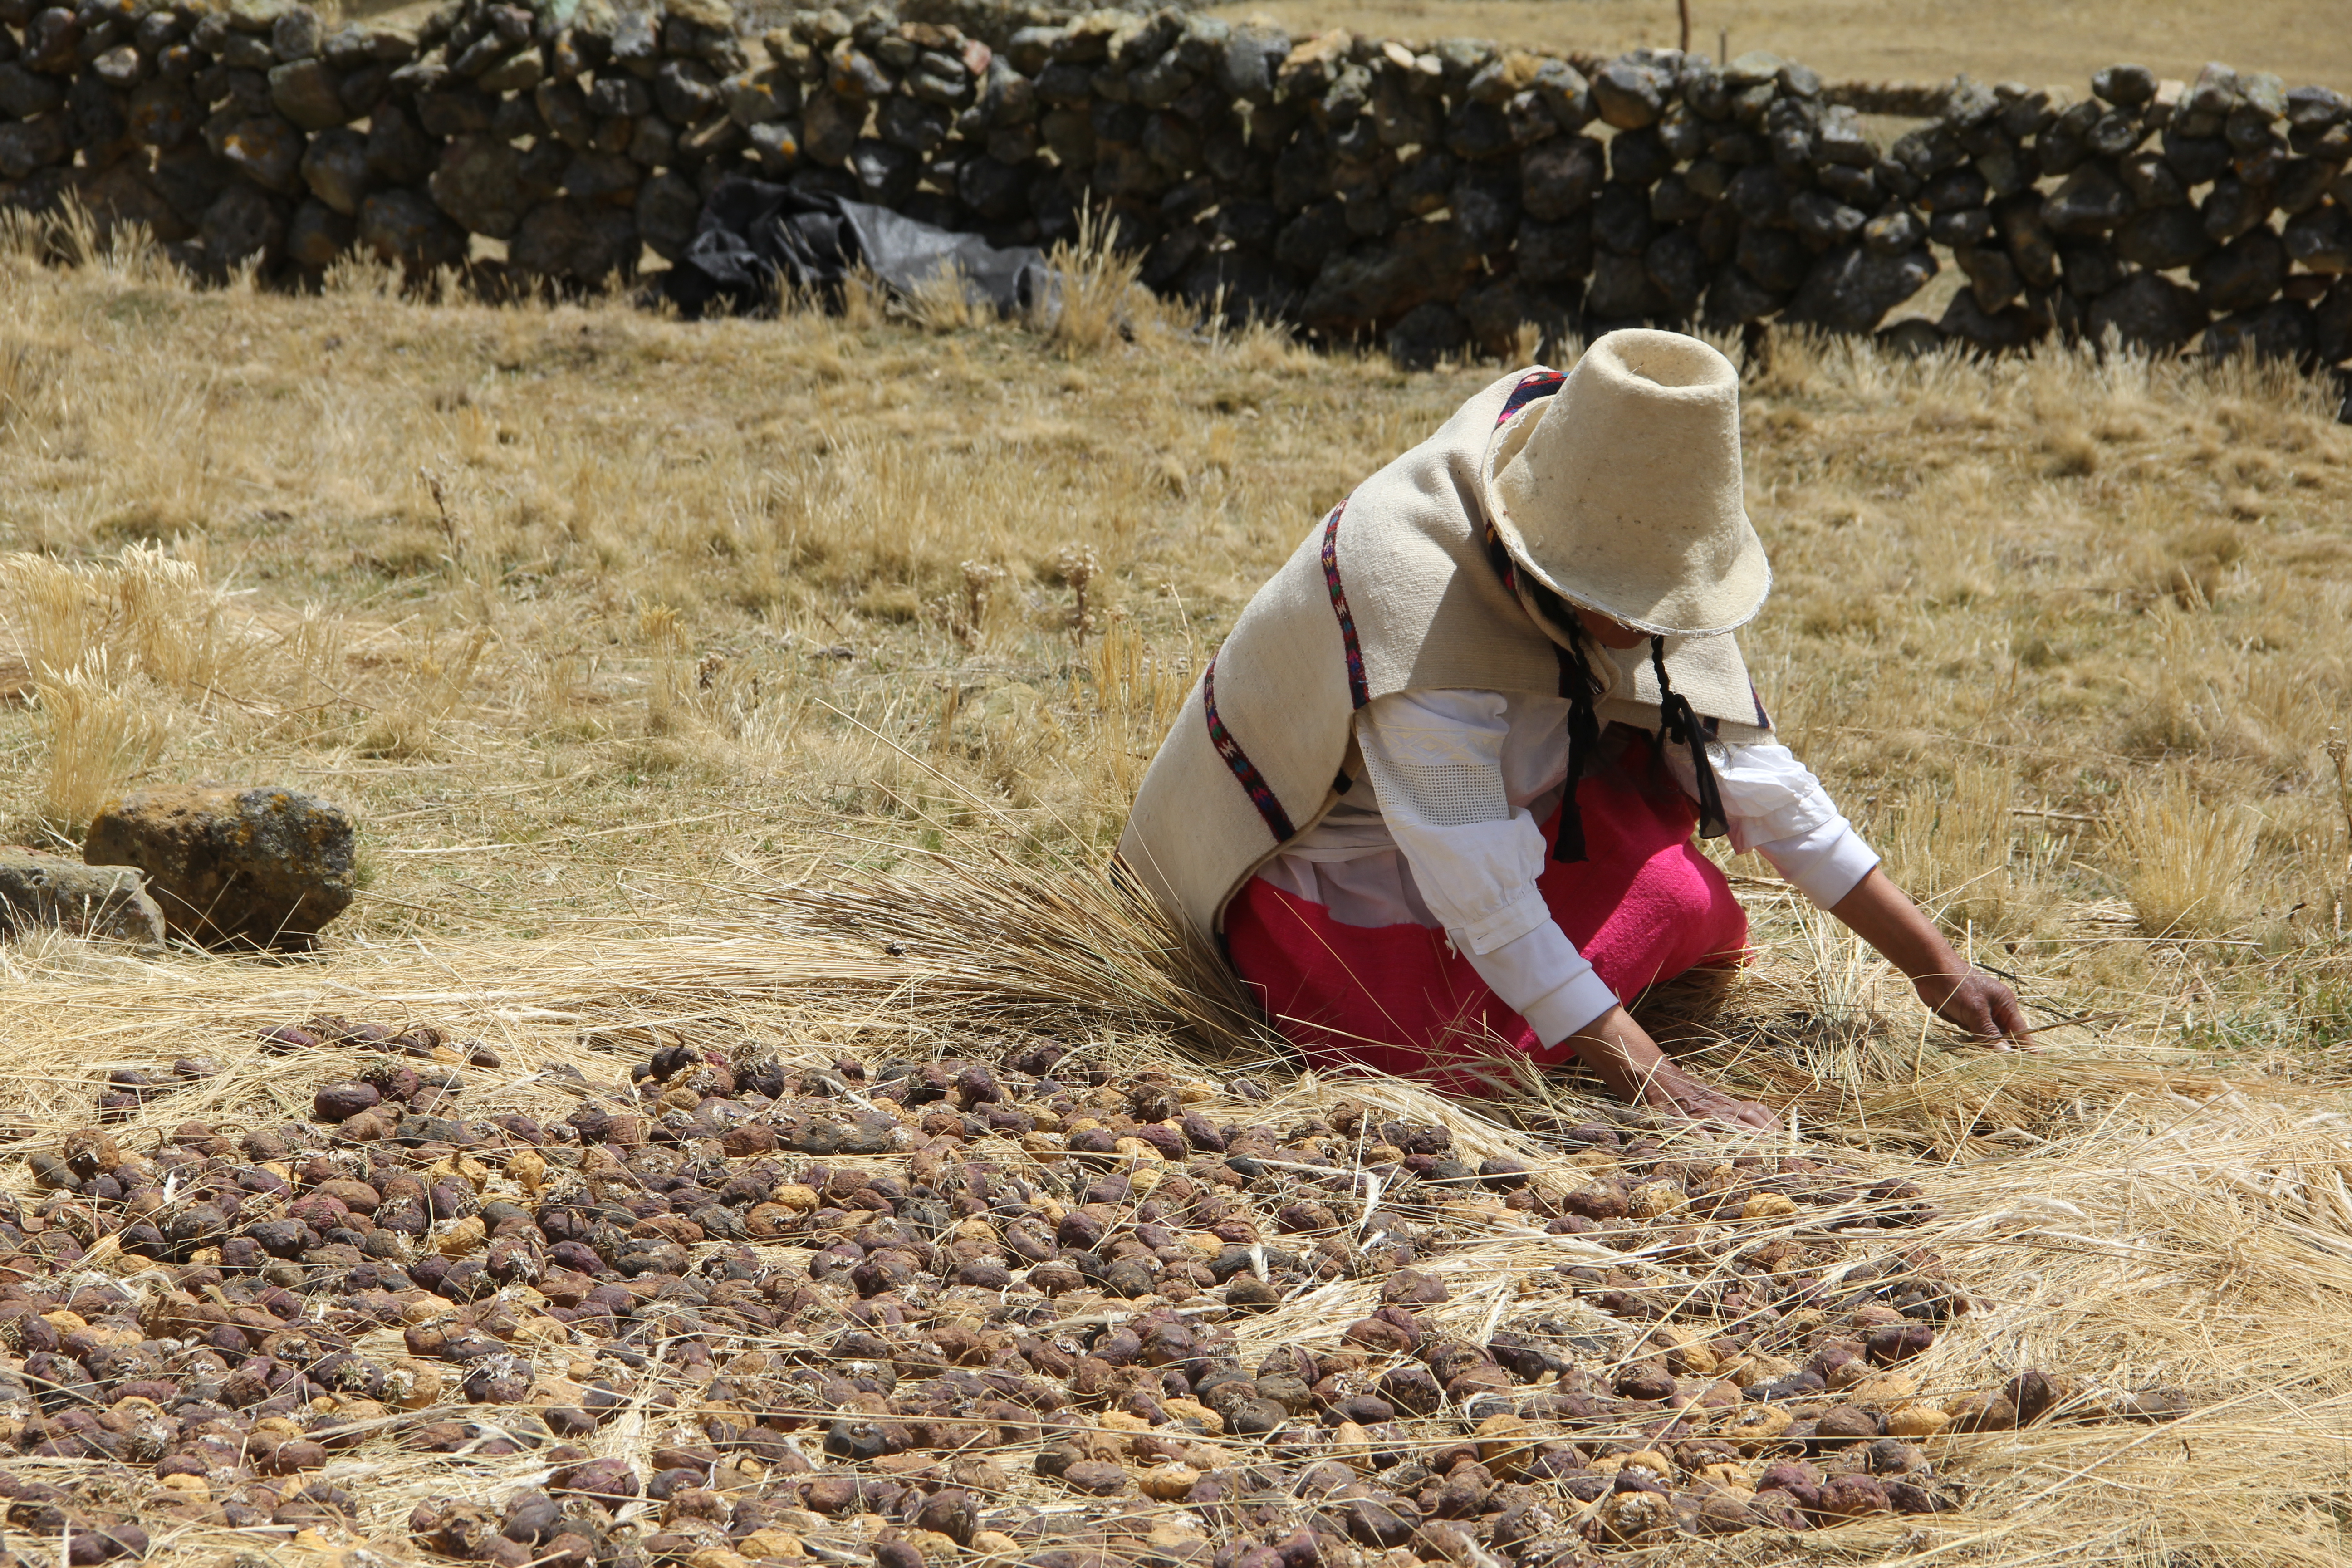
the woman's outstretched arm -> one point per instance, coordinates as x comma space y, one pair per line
1883, 915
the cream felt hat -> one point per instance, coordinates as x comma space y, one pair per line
1622, 491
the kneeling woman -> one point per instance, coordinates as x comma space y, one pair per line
1437, 791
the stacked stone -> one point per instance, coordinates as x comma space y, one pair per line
199, 123
1439, 197
252, 133
2152, 211
916, 116
992, 22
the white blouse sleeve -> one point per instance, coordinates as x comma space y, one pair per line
1435, 760
1773, 805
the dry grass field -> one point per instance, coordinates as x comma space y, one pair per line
788, 678
2068, 640
2040, 42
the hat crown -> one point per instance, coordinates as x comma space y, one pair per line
1623, 492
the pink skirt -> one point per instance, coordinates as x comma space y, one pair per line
1644, 906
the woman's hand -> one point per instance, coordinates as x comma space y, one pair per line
1978, 1004
1622, 1055
1883, 915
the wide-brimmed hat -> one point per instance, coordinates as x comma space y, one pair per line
1622, 491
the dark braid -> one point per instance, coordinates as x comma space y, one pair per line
1676, 721
1577, 683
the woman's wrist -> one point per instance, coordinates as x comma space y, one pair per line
1883, 915
1935, 985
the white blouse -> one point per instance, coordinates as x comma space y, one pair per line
1461, 781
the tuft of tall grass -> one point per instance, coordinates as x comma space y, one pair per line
660, 626
1138, 691
944, 302
59, 614
99, 735
405, 725
1096, 288
26, 370
310, 657
2182, 862
146, 613
171, 620
1957, 852
2339, 756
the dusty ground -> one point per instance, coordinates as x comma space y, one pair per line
710, 627
2040, 42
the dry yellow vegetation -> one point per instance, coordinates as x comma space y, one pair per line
790, 677
2067, 639
2039, 42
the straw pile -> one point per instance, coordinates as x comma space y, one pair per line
886, 1224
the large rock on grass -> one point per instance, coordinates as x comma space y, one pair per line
40, 891
233, 868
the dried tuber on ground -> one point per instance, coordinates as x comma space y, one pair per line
1018, 1303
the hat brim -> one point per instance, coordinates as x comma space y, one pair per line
1731, 602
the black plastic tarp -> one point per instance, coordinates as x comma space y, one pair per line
755, 239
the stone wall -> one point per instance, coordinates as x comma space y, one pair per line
1440, 196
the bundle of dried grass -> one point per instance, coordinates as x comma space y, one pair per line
101, 734
993, 943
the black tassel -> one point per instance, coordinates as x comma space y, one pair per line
1584, 746
1677, 722
1576, 684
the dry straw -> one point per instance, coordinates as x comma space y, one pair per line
2339, 756
148, 612
2152, 1226
1956, 852
59, 616
944, 301
441, 668
1096, 294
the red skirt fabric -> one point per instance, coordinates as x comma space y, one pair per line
1643, 907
